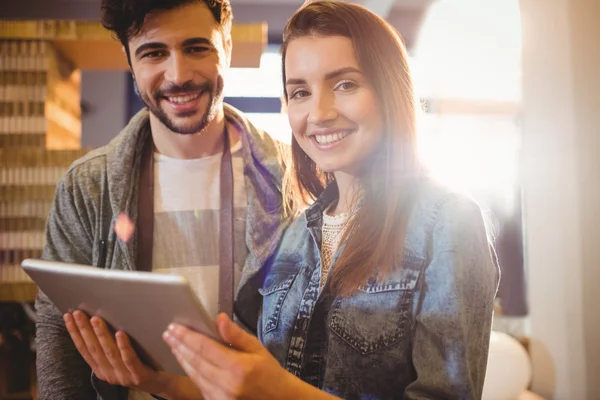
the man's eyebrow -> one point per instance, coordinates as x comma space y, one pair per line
198, 40
150, 46
162, 46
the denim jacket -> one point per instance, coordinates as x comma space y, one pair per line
423, 333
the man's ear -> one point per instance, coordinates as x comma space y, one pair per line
136, 90
126, 54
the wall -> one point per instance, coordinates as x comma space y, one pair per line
585, 32
275, 14
561, 182
105, 108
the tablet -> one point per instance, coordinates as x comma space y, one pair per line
142, 304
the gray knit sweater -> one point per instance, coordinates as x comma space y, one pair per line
96, 189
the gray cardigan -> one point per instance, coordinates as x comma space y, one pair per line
96, 189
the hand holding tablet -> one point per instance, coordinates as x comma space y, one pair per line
112, 357
142, 304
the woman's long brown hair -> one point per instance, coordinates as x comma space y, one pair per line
374, 237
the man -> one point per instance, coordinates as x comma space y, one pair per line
167, 173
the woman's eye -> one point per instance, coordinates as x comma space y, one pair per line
299, 94
347, 85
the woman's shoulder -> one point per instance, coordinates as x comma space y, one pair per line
435, 200
441, 212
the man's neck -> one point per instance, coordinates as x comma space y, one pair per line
198, 145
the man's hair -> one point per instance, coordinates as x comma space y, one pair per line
126, 17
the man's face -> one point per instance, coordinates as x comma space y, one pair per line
178, 60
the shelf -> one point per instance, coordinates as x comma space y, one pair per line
89, 46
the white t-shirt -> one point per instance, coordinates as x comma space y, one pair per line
186, 224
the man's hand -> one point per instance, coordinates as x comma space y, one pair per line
115, 361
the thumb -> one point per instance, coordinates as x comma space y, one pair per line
231, 333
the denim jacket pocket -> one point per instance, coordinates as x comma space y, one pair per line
376, 316
273, 292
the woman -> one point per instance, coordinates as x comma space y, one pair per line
383, 288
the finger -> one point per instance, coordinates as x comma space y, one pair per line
231, 332
78, 341
93, 346
130, 358
201, 346
109, 349
206, 376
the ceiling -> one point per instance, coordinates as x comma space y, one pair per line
405, 15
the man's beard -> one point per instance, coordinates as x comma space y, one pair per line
212, 108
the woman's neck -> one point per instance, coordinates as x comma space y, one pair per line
347, 189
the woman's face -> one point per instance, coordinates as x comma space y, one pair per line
332, 107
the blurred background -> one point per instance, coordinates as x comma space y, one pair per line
510, 92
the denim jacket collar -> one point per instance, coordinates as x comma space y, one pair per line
314, 213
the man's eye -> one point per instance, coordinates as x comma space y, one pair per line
198, 49
154, 54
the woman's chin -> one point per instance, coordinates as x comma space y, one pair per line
328, 167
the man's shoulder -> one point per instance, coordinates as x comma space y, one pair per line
91, 169
258, 146
255, 135
87, 168
94, 159
266, 148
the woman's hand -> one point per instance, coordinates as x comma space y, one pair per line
245, 370
115, 361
